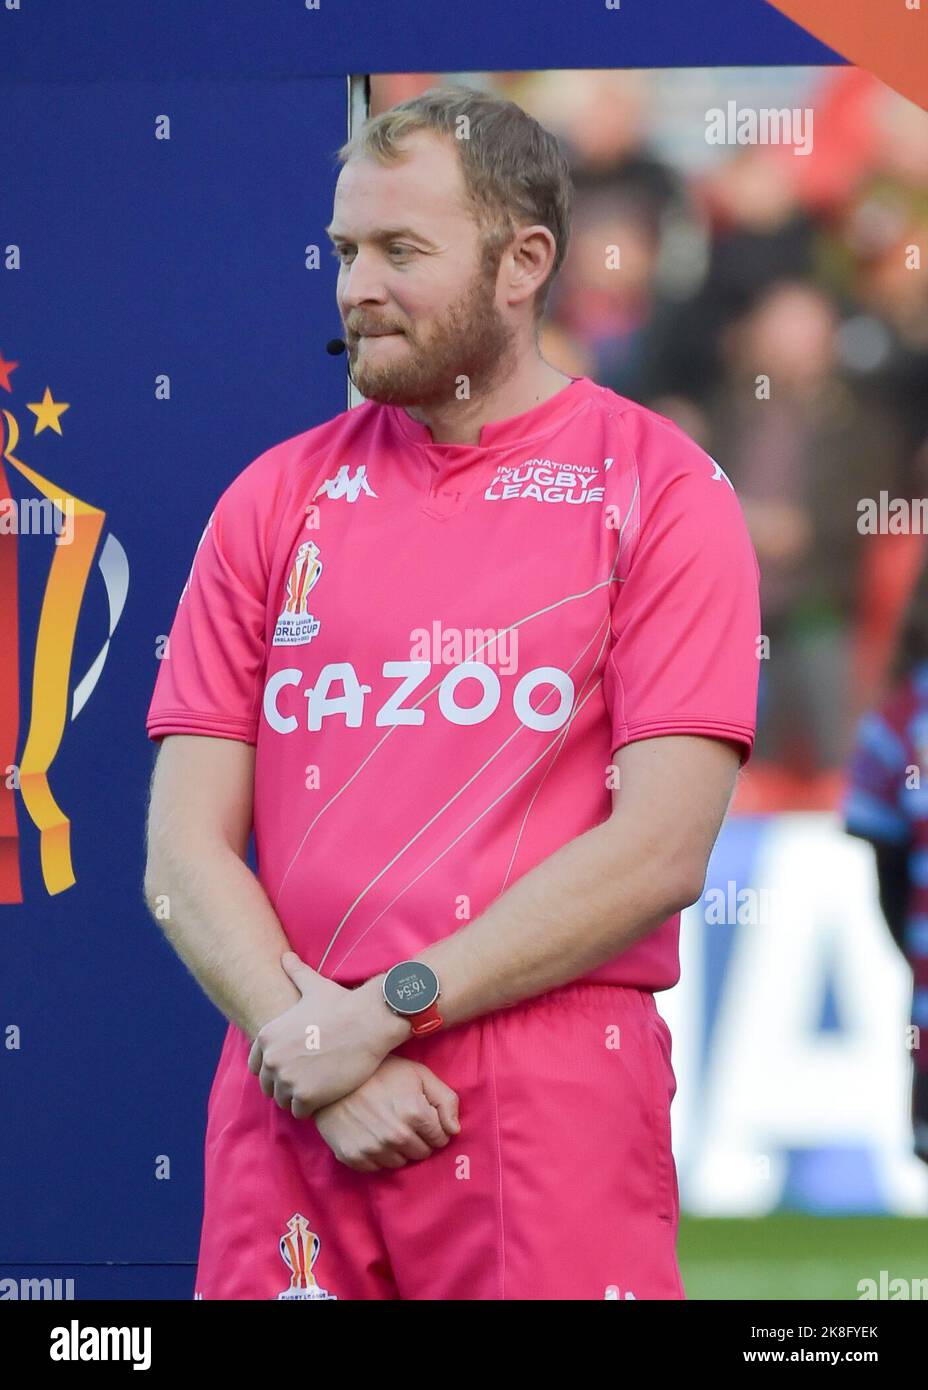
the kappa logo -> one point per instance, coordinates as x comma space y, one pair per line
543, 480
346, 485
296, 625
614, 1293
299, 1250
719, 474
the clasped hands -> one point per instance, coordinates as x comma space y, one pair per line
327, 1057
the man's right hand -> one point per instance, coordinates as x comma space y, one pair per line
402, 1112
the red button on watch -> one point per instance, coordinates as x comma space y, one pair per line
411, 990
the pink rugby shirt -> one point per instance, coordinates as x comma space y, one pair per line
436, 649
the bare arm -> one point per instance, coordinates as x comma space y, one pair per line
221, 924
585, 903
599, 893
212, 908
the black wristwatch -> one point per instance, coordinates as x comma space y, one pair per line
411, 990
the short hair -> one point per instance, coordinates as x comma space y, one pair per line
515, 173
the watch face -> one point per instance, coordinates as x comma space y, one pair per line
410, 987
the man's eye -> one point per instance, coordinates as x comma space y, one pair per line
342, 253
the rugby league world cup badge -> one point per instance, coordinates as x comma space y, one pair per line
299, 1249
296, 625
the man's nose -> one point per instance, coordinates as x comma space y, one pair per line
362, 282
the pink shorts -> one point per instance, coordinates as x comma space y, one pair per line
560, 1185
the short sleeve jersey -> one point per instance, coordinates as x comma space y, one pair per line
436, 650
886, 802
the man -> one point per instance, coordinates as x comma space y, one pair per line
885, 803
477, 658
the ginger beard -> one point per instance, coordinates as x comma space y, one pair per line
470, 340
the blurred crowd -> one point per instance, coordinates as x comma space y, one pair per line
772, 304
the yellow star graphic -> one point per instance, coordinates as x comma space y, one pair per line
46, 412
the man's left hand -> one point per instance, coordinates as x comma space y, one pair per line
326, 1045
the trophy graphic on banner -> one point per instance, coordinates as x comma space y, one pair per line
48, 660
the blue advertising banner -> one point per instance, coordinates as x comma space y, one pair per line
161, 324
284, 38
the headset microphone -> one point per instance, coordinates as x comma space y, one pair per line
334, 347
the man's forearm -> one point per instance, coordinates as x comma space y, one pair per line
220, 922
581, 906
585, 903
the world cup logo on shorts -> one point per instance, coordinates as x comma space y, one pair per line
299, 1249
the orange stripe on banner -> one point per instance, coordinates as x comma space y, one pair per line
10, 883
54, 646
886, 37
